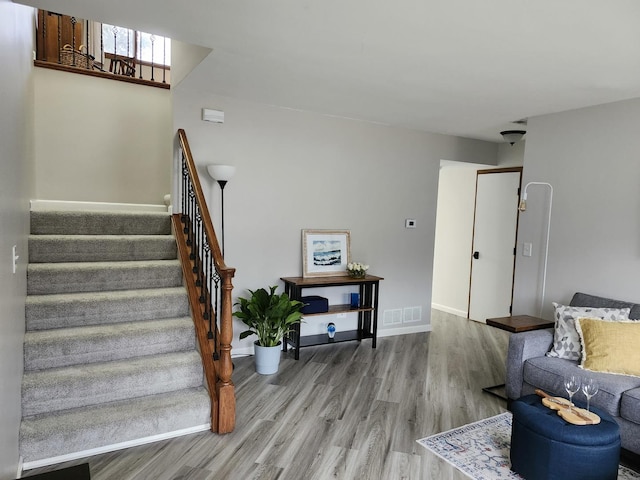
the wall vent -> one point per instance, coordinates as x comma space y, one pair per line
412, 314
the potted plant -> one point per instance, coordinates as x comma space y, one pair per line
269, 316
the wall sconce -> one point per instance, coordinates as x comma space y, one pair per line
222, 174
513, 136
523, 207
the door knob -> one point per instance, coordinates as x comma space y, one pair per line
476, 255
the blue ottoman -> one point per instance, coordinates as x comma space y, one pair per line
545, 447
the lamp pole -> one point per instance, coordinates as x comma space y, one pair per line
522, 207
222, 174
222, 184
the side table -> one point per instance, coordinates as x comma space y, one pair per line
515, 324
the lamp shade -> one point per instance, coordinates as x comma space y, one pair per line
513, 136
221, 173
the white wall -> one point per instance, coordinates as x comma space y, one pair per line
16, 126
300, 170
590, 156
454, 236
101, 140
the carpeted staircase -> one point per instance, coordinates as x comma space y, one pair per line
110, 354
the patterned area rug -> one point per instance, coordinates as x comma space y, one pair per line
480, 450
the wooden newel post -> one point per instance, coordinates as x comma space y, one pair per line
225, 387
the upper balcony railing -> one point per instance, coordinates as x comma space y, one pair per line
93, 48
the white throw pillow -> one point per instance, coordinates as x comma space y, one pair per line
566, 341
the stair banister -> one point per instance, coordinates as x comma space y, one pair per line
207, 270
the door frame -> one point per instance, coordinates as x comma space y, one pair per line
473, 233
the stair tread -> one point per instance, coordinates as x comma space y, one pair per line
88, 384
112, 329
95, 248
62, 310
113, 237
97, 343
132, 264
97, 296
96, 221
76, 277
59, 433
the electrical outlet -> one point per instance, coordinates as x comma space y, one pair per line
15, 257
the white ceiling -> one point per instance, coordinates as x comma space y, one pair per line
461, 67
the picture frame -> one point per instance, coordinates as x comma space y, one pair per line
325, 253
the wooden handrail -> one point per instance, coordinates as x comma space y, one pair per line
222, 420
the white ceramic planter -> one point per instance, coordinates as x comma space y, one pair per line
267, 359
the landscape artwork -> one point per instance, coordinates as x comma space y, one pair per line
325, 252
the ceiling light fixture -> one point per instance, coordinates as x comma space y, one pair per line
513, 136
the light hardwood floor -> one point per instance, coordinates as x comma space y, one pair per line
343, 411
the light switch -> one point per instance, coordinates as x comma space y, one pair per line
527, 248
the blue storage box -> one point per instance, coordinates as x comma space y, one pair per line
314, 304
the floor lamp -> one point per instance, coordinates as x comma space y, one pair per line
522, 207
222, 174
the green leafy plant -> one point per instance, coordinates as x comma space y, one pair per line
268, 315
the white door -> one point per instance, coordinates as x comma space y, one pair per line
494, 243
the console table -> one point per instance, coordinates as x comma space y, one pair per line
367, 310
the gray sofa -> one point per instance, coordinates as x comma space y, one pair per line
528, 368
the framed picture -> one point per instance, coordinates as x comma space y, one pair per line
325, 253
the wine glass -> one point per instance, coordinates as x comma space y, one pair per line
589, 388
571, 385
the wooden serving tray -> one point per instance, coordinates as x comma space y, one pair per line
569, 412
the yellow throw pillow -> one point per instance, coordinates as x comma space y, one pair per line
612, 347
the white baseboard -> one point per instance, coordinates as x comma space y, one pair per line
112, 448
390, 332
454, 311
47, 205
20, 469
241, 352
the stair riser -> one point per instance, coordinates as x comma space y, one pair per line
100, 223
60, 311
61, 349
56, 249
74, 387
45, 279
88, 428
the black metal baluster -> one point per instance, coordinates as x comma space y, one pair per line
114, 60
139, 50
153, 39
73, 41
101, 48
164, 60
192, 212
43, 50
183, 194
89, 63
59, 38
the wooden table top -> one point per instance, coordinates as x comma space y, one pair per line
520, 323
